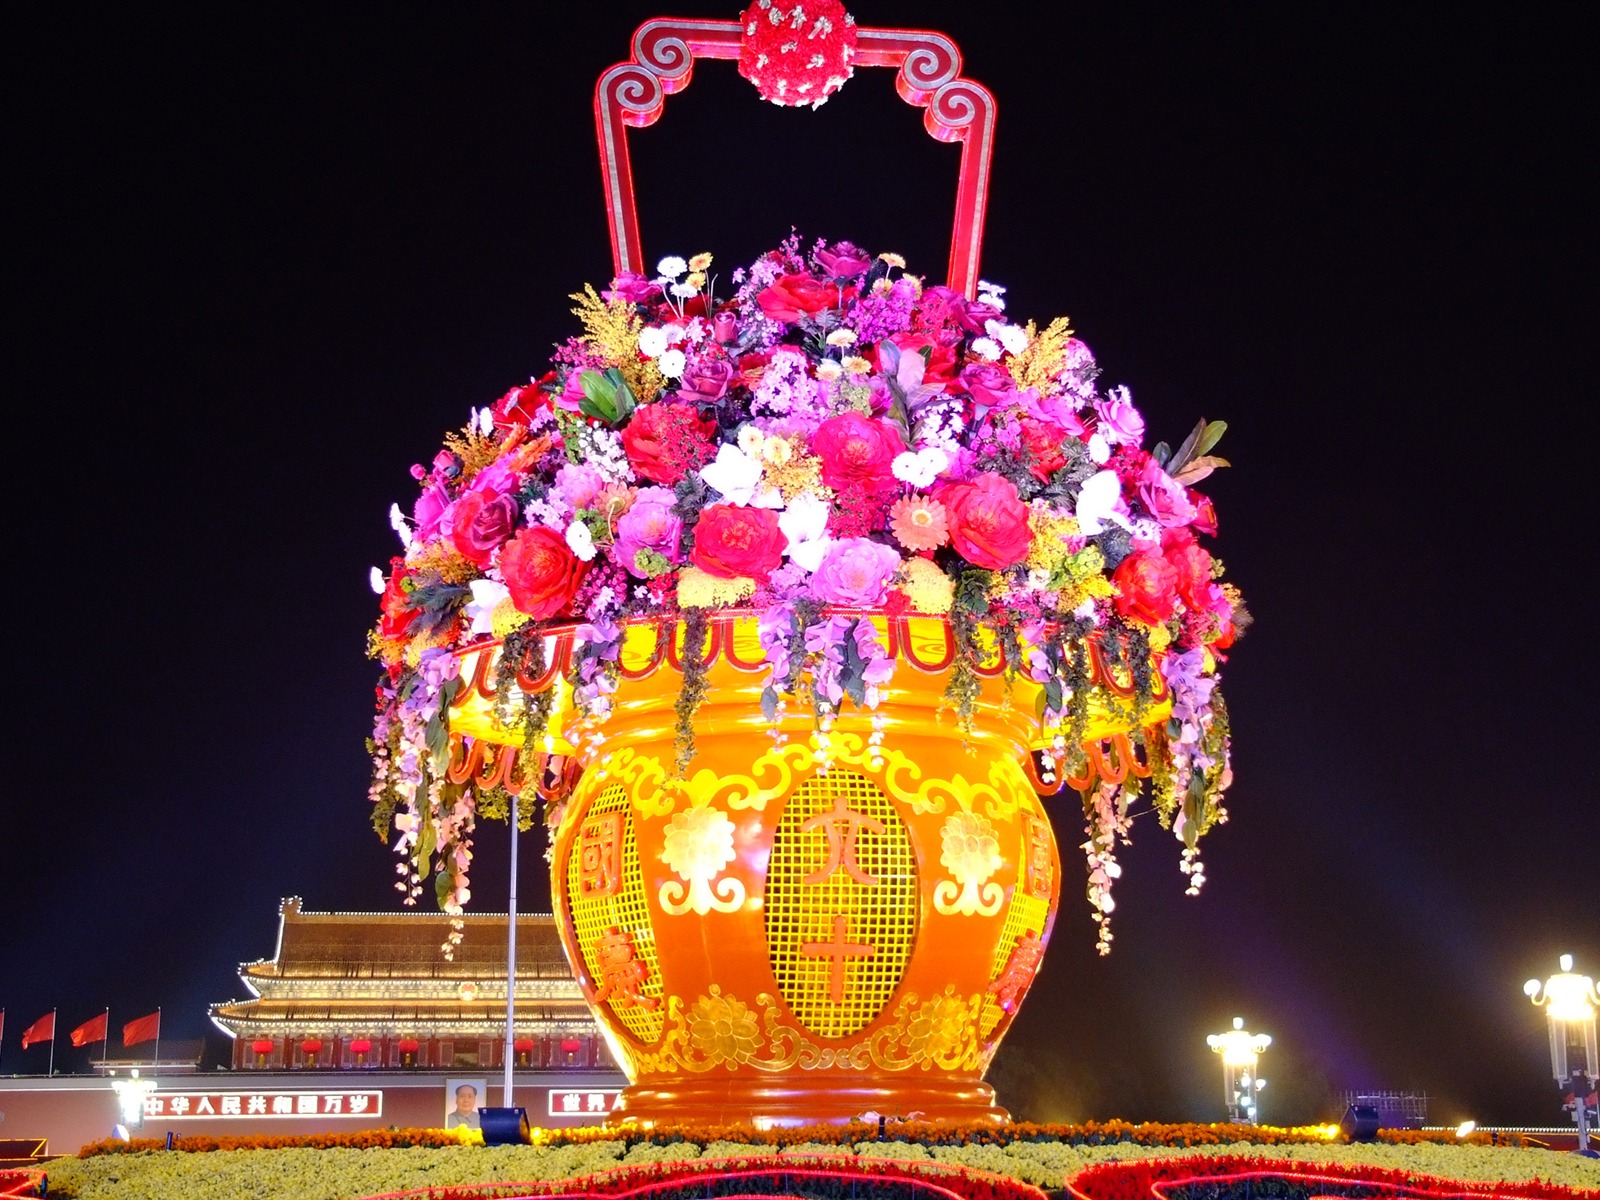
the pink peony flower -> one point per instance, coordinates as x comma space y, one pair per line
1120, 422
650, 524
855, 572
1166, 499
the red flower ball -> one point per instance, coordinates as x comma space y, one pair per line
988, 521
664, 442
1147, 587
541, 571
731, 542
395, 623
797, 52
856, 450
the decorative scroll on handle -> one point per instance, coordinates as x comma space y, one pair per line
954, 110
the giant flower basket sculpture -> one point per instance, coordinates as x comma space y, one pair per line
791, 605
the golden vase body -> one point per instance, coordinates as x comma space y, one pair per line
805, 927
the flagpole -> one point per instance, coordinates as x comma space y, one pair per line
156, 1061
52, 1071
105, 1040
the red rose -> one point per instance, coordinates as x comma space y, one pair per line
989, 385
1192, 565
520, 405
796, 296
665, 441
480, 522
1148, 586
1041, 445
731, 541
941, 362
988, 521
706, 381
395, 623
857, 450
541, 571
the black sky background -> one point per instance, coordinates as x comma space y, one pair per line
267, 257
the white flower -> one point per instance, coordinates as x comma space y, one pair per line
991, 294
486, 597
485, 421
672, 266
674, 334
1099, 501
1012, 337
581, 540
985, 348
652, 341
738, 477
842, 337
921, 467
398, 522
378, 583
828, 370
672, 363
805, 524
685, 291
1099, 448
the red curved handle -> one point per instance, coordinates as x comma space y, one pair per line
664, 49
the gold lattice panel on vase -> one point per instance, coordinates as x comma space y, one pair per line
1027, 915
611, 917
841, 903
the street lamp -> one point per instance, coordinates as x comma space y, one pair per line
1569, 1000
1240, 1052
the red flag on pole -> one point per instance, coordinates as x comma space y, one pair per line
90, 1031
142, 1030
42, 1030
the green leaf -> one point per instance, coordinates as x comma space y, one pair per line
443, 885
1188, 449
1199, 469
1212, 436
1162, 453
599, 396
769, 703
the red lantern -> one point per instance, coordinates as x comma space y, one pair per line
409, 1045
361, 1046
570, 1045
523, 1045
312, 1047
262, 1046
797, 53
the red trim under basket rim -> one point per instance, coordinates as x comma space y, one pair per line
559, 640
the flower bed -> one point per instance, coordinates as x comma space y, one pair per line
824, 1178
21, 1182
1242, 1178
340, 1173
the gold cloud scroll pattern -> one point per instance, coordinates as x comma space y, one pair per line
698, 844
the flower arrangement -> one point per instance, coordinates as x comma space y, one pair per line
834, 439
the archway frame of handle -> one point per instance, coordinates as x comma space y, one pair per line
955, 109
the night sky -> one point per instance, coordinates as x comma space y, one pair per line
266, 258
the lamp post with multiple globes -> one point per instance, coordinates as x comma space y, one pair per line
1241, 1050
1569, 1001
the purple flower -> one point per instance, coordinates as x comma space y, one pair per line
705, 380
1120, 422
855, 572
1166, 499
649, 524
632, 288
843, 261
